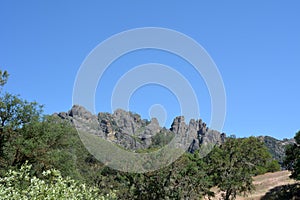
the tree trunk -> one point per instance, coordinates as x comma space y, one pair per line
228, 194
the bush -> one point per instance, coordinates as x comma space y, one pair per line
22, 185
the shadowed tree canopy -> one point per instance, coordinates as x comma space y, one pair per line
292, 159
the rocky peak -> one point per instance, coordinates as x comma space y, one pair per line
130, 131
178, 126
79, 111
198, 132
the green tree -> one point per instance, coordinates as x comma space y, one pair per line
292, 159
234, 163
161, 139
186, 178
14, 114
26, 135
270, 166
45, 144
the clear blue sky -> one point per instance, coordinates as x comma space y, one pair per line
255, 45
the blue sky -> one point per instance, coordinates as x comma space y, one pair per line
255, 45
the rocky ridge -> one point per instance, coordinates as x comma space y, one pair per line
128, 130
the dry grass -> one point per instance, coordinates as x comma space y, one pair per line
264, 184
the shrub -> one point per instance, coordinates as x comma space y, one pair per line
22, 185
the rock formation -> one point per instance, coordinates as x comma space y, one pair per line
128, 130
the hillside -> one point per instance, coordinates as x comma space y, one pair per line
276, 147
271, 186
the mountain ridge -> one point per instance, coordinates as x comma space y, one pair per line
130, 131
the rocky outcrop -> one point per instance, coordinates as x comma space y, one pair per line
128, 130
202, 134
276, 147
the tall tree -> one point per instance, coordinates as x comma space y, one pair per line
14, 114
45, 144
234, 163
292, 159
27, 135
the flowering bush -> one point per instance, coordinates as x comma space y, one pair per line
21, 185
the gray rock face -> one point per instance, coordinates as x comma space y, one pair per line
80, 112
200, 133
128, 130
178, 126
83, 120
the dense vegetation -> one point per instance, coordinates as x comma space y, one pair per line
22, 185
292, 160
41, 156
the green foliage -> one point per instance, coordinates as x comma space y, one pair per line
161, 139
3, 78
15, 113
234, 163
186, 178
292, 159
45, 144
273, 166
270, 166
22, 185
25, 134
